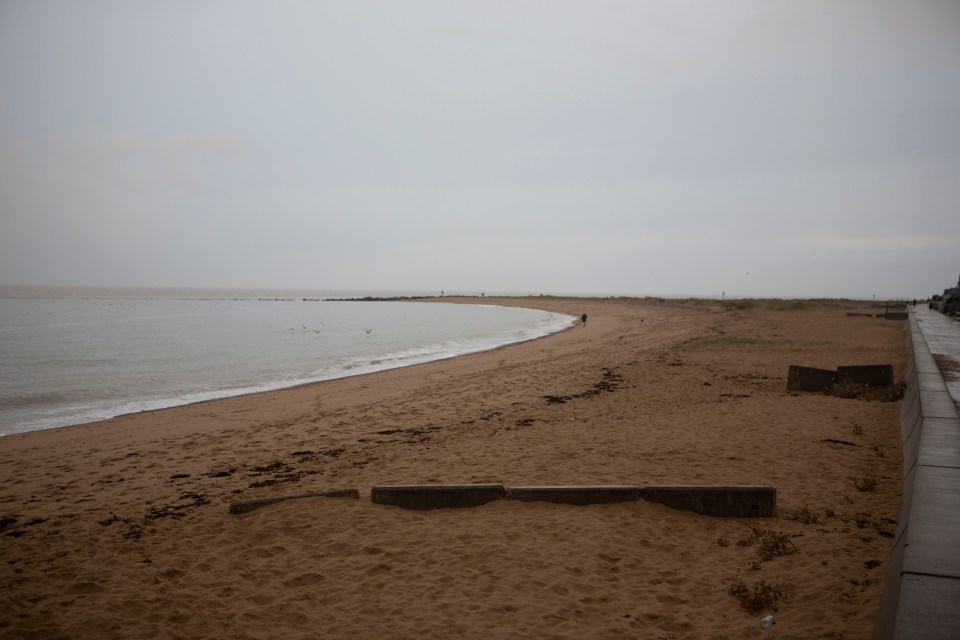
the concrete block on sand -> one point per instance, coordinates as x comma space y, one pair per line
577, 494
437, 496
878, 375
724, 502
809, 378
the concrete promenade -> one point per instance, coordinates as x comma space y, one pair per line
942, 335
922, 594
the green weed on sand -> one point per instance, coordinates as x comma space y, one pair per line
734, 341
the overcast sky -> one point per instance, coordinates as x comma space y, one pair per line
789, 149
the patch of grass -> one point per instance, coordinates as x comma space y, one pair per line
868, 392
745, 304
729, 341
789, 305
759, 596
866, 482
803, 515
770, 544
734, 341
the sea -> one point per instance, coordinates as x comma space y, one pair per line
76, 355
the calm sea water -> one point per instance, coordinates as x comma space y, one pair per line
76, 356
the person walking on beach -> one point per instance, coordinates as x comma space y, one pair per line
583, 319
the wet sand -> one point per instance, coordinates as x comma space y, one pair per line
121, 529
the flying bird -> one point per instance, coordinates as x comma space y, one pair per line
368, 331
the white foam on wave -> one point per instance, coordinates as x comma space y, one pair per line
440, 351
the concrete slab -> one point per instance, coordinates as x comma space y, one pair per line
434, 496
928, 608
932, 381
722, 501
924, 362
940, 443
911, 446
577, 494
934, 527
910, 417
879, 375
937, 404
906, 503
887, 617
809, 378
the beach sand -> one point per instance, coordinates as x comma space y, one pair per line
120, 529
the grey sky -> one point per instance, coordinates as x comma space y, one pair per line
760, 148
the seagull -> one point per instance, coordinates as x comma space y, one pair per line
368, 331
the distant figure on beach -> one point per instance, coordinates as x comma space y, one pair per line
583, 319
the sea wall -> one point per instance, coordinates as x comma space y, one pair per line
922, 591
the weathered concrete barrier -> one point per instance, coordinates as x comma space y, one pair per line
726, 502
437, 496
721, 501
246, 506
810, 378
813, 379
736, 501
577, 494
877, 375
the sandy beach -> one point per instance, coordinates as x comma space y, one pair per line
120, 529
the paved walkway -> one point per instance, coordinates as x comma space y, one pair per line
921, 599
942, 334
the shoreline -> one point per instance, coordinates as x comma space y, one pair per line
335, 378
385, 361
697, 396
